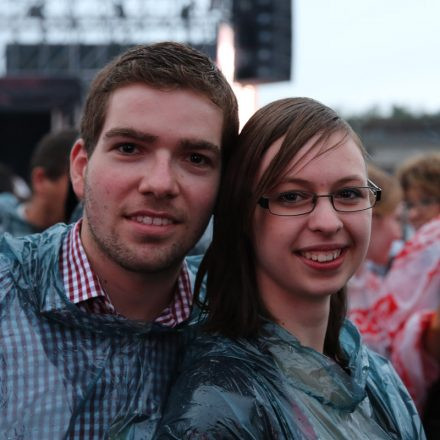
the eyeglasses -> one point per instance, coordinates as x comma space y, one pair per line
347, 199
422, 203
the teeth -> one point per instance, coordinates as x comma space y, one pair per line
156, 221
322, 257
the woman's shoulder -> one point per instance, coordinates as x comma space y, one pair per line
390, 397
216, 394
219, 361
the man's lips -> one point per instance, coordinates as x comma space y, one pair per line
148, 220
154, 219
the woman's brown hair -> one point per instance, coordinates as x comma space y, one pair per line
421, 171
232, 301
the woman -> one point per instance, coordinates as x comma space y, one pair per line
278, 360
404, 321
386, 228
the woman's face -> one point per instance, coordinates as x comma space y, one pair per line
421, 208
311, 256
386, 228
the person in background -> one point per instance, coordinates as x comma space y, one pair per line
403, 323
386, 228
49, 177
277, 358
420, 180
6, 179
95, 315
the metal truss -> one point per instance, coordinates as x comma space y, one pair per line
108, 22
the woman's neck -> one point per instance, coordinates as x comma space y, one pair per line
305, 318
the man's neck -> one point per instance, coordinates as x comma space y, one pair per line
136, 295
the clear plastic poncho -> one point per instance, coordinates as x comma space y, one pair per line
275, 388
65, 373
10, 219
394, 323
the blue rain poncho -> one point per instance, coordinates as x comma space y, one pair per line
275, 388
65, 373
10, 219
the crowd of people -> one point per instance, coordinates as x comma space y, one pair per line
314, 312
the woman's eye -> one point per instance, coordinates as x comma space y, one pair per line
291, 197
127, 148
349, 193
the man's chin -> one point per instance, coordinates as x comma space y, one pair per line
152, 262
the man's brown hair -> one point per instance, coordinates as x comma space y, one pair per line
166, 66
52, 153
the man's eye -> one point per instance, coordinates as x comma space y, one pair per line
127, 148
198, 159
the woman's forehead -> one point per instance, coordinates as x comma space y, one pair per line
317, 146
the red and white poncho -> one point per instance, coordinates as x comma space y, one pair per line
394, 323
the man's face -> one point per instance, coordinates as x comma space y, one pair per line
151, 183
421, 207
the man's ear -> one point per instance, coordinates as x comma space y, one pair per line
78, 166
38, 180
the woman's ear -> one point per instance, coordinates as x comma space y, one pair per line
78, 167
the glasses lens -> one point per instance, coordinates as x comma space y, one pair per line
354, 199
420, 204
291, 203
348, 199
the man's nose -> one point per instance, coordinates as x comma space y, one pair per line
160, 178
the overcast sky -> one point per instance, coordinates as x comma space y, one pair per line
358, 54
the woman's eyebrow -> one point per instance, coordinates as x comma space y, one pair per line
351, 179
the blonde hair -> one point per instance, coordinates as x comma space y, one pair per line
422, 172
391, 191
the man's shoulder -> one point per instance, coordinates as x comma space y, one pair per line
40, 244
193, 263
8, 200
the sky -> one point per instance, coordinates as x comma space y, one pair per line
353, 55
359, 55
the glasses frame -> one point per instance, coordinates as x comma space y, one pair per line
263, 201
421, 204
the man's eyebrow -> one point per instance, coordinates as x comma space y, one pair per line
200, 145
130, 133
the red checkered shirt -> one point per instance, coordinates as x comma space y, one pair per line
84, 289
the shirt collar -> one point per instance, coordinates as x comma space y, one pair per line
84, 289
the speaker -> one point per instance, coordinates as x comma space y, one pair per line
263, 40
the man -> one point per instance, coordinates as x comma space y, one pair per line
49, 177
95, 316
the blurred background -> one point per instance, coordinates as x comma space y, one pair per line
376, 62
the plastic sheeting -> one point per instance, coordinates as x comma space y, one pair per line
275, 388
65, 373
363, 288
10, 220
393, 325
